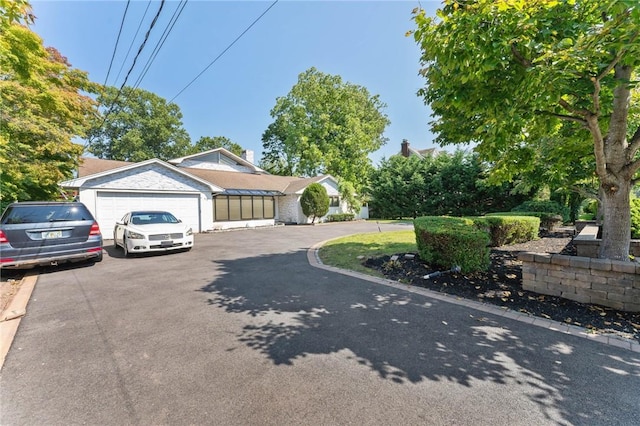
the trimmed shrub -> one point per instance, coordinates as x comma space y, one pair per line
505, 230
548, 221
315, 201
340, 217
445, 242
544, 207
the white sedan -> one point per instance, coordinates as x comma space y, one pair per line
151, 231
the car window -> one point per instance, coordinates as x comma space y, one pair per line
45, 213
145, 218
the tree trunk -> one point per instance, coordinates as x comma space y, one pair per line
616, 224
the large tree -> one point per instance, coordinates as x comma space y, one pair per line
507, 75
205, 143
324, 125
42, 110
137, 125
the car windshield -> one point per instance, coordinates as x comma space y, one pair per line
45, 213
149, 218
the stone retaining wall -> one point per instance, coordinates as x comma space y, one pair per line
599, 281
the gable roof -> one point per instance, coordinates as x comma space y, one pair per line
421, 153
223, 151
107, 167
254, 181
217, 180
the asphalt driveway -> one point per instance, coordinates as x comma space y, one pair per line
242, 330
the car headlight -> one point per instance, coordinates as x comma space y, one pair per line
135, 235
189, 232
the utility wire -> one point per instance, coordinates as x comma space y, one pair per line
115, 48
153, 23
225, 50
163, 38
144, 42
133, 40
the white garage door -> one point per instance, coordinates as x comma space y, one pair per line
111, 206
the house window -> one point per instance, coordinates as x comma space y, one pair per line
258, 208
221, 208
245, 207
269, 210
234, 208
334, 201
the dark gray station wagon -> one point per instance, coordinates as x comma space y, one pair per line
48, 233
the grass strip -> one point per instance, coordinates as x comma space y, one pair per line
344, 252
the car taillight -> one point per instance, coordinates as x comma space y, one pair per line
95, 229
3, 238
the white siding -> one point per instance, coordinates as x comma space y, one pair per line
111, 206
150, 187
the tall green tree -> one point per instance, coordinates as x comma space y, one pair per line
324, 125
206, 143
137, 125
42, 109
508, 74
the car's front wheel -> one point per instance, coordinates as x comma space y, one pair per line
124, 247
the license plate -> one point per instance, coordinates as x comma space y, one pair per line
51, 234
166, 244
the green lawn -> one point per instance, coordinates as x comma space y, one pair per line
344, 252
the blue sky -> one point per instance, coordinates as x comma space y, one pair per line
362, 41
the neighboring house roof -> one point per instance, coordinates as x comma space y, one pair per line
406, 150
107, 167
429, 152
219, 180
203, 155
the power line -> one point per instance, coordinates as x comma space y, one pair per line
115, 48
225, 50
146, 37
133, 40
144, 42
163, 38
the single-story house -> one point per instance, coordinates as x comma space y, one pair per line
211, 190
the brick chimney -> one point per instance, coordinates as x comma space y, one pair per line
247, 155
405, 148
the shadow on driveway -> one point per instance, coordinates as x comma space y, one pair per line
407, 338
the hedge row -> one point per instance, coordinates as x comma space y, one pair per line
446, 242
340, 217
505, 230
547, 220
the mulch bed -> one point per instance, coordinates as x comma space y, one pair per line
501, 285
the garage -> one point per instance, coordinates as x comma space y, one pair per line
110, 192
112, 205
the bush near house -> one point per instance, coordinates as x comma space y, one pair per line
315, 201
505, 230
340, 217
446, 242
